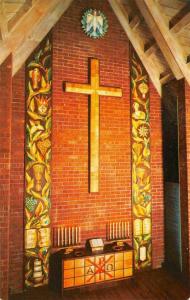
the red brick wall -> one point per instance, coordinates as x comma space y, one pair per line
156, 178
5, 156
17, 182
71, 202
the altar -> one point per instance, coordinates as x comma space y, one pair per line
77, 268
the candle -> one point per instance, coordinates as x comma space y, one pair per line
79, 235
73, 236
54, 237
128, 229
142, 253
116, 230
122, 229
62, 236
113, 231
65, 236
125, 230
119, 230
110, 232
76, 234
69, 235
58, 236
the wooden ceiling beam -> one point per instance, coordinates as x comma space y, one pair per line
188, 59
22, 10
3, 21
153, 18
166, 77
181, 19
39, 31
136, 41
131, 14
150, 47
31, 29
134, 22
4, 30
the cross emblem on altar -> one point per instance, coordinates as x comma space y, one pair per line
94, 90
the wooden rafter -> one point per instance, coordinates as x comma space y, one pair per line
166, 76
150, 11
150, 47
21, 11
134, 22
167, 41
31, 29
136, 41
188, 59
3, 21
181, 19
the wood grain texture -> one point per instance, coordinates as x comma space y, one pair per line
151, 17
181, 19
151, 285
136, 41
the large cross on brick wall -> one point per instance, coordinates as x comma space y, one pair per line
94, 90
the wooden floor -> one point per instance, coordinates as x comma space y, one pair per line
152, 285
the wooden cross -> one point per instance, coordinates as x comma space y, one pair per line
94, 90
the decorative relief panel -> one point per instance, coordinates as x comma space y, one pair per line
37, 165
141, 177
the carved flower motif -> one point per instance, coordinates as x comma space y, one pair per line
143, 131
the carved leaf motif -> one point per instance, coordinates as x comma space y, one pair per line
30, 156
48, 123
39, 209
34, 116
32, 105
45, 188
28, 215
33, 150
37, 136
36, 195
30, 185
148, 209
139, 211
